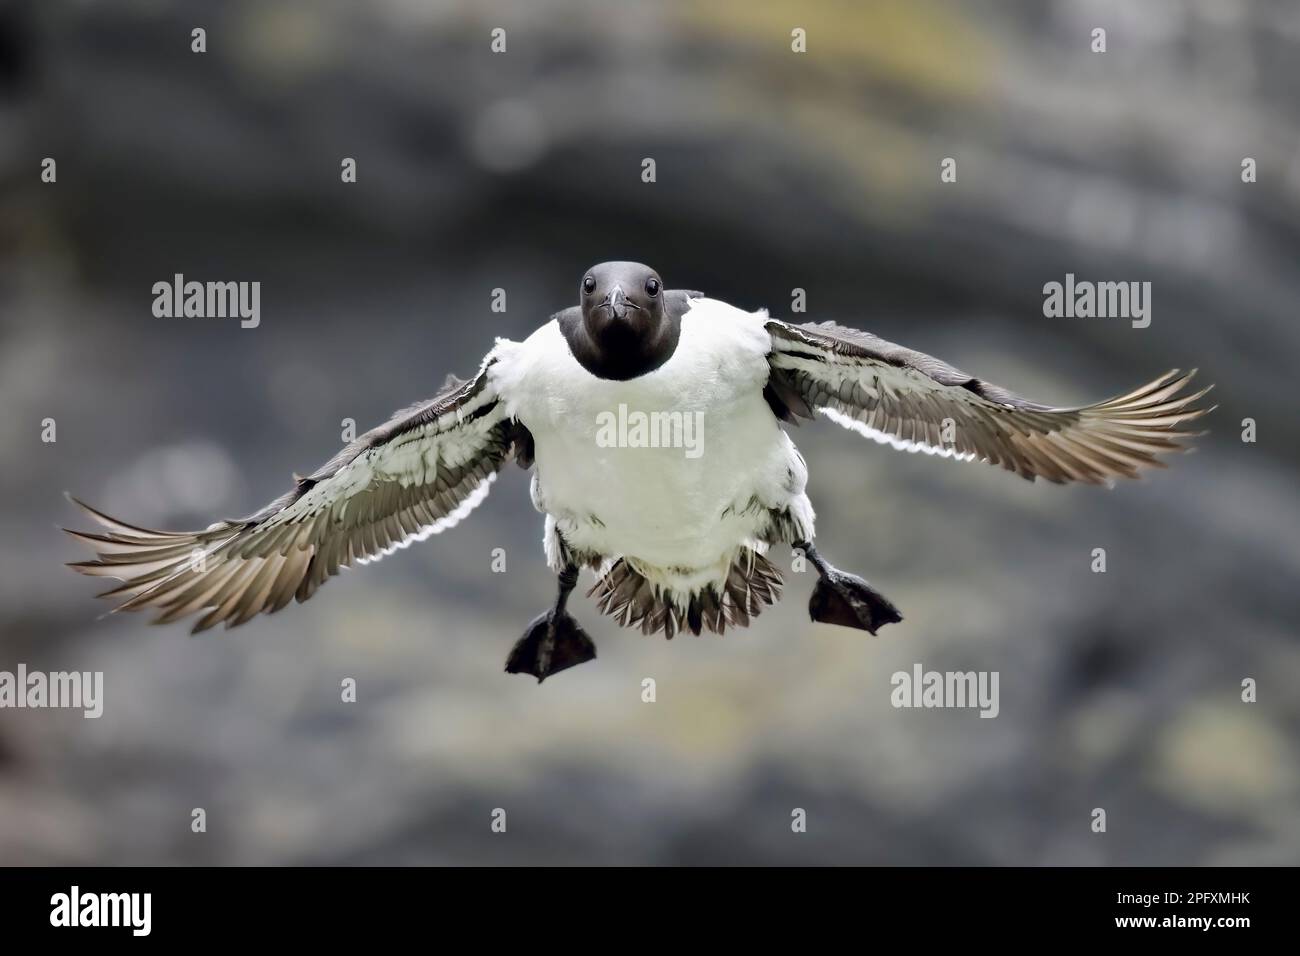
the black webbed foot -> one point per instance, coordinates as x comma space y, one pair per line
845, 599
553, 642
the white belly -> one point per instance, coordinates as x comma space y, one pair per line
676, 468
660, 505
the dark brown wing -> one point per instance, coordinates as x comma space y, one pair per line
915, 402
417, 474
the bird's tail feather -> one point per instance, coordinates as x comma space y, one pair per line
751, 583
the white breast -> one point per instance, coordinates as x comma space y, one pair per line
688, 505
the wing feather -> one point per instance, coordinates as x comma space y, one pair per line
913, 402
416, 475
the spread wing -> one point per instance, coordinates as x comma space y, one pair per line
915, 402
416, 475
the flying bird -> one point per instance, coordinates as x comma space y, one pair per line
677, 536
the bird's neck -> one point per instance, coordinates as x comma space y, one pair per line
618, 354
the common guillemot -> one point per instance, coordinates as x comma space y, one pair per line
677, 541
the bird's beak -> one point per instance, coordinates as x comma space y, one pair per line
618, 303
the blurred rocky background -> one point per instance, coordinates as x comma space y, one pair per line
775, 170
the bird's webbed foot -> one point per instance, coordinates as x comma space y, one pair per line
554, 641
846, 599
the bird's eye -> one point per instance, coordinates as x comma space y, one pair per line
589, 285
652, 287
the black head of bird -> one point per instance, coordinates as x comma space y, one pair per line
626, 327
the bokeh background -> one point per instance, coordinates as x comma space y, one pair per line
775, 170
